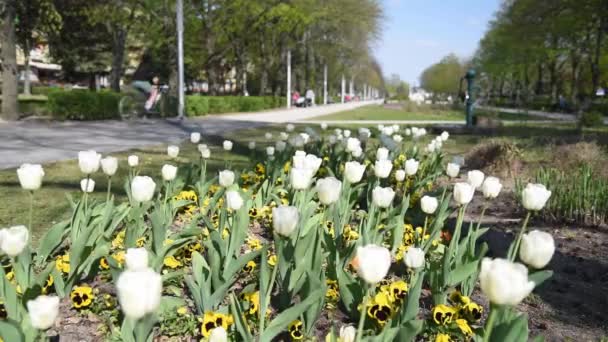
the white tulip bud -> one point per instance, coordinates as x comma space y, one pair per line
172, 151
414, 257
452, 170
251, 145
300, 178
475, 178
206, 153
226, 178
133, 160
87, 185
346, 133
202, 147
290, 127
382, 168
491, 187
408, 132
372, 263
348, 333
169, 172
429, 204
283, 136
535, 196
305, 137
400, 175
268, 136
397, 138
352, 144
43, 311
353, 171
382, 153
411, 166
136, 259
504, 282
444, 136
382, 197
195, 137
357, 152
234, 200
323, 125
109, 165
89, 161
13, 240
280, 146
139, 292
285, 220
463, 193
227, 144
218, 334
30, 176
328, 190
142, 188
332, 139
270, 150
537, 248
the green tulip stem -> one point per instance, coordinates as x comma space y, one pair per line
31, 210
273, 276
362, 315
515, 246
109, 188
487, 334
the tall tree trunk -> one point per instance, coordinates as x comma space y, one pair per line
553, 80
574, 81
539, 79
9, 63
595, 64
119, 41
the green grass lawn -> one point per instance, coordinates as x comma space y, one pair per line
380, 112
511, 116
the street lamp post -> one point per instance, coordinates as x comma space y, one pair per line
325, 84
470, 77
180, 58
288, 79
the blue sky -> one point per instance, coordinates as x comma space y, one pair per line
418, 33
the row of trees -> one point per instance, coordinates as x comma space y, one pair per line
244, 40
443, 77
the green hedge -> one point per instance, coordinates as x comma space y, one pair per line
197, 105
83, 105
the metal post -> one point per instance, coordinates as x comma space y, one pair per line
288, 79
342, 86
180, 58
325, 84
470, 77
351, 87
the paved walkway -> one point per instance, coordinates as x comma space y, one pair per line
43, 142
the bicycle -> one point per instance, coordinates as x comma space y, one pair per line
132, 104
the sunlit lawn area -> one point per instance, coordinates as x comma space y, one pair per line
380, 112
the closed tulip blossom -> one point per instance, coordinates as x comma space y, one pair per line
206, 154
30, 176
353, 171
195, 137
504, 282
475, 178
323, 125
400, 175
218, 334
43, 311
226, 178
270, 150
328, 190
397, 138
285, 220
202, 147
283, 136
139, 292
372, 263
537, 248
109, 165
87, 185
382, 153
142, 188
383, 197
169, 172
172, 151
491, 187
452, 170
444, 135
414, 257
227, 145
411, 166
136, 259
352, 144
535, 196
348, 333
429, 204
357, 153
300, 178
280, 146
346, 133
382, 168
133, 160
290, 127
13, 240
234, 200
251, 145
89, 161
312, 163
268, 136
463, 193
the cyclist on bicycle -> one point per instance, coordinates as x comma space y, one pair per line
155, 94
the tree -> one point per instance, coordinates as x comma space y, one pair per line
443, 77
9, 61
396, 88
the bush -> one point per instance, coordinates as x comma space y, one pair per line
83, 105
32, 106
197, 105
592, 119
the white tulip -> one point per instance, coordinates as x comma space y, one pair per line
372, 263
142, 188
285, 219
429, 204
348, 333
30, 176
89, 161
364, 133
133, 160
136, 259
414, 257
463, 193
452, 170
411, 166
234, 200
297, 141
305, 137
251, 145
382, 168
290, 127
169, 172
352, 144
383, 197
312, 162
280, 146
332, 139
338, 131
300, 178
535, 196
491, 187
226, 178
283, 136
475, 178
357, 153
444, 136
382, 153
346, 133
300, 153
172, 151
43, 311
397, 138
218, 334
400, 175
227, 144
396, 127
328, 190
270, 150
537, 248
139, 292
408, 132
13, 240
268, 136
195, 137
206, 153
87, 185
504, 282
432, 147
323, 125
353, 171
109, 165
202, 147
